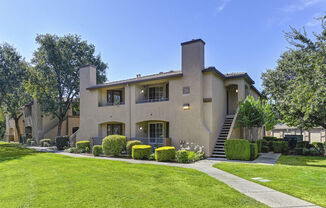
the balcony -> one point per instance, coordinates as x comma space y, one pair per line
152, 93
155, 142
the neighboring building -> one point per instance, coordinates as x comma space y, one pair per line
312, 135
196, 104
34, 124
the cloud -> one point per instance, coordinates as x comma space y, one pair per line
221, 6
299, 5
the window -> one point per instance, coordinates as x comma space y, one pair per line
156, 133
155, 93
74, 129
114, 129
114, 97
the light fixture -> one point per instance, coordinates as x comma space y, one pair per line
236, 90
186, 106
142, 91
141, 128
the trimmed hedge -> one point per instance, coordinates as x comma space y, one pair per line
140, 152
259, 144
97, 149
237, 149
42, 141
265, 149
253, 151
130, 144
278, 147
181, 156
166, 153
269, 138
84, 145
114, 144
62, 142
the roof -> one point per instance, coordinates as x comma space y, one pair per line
193, 41
161, 75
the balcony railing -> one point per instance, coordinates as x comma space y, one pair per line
152, 100
111, 104
153, 141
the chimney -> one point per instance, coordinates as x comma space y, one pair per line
87, 76
193, 57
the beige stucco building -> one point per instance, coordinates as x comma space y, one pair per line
197, 104
36, 125
312, 135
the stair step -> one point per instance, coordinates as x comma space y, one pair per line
218, 156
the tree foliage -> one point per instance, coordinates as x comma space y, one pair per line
13, 74
54, 79
297, 86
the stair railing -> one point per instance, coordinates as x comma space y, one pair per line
233, 124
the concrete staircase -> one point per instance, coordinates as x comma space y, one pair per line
219, 151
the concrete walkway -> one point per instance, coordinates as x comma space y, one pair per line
256, 191
269, 158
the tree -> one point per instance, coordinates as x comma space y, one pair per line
54, 79
255, 113
13, 74
297, 86
2, 123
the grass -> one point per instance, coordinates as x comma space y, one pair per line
33, 179
300, 176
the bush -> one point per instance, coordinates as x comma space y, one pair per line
269, 138
130, 144
259, 145
237, 149
140, 152
181, 156
46, 144
278, 147
166, 153
253, 151
85, 146
28, 141
265, 149
285, 147
62, 142
45, 140
298, 151
97, 149
302, 144
152, 156
33, 143
320, 147
305, 151
314, 152
114, 144
74, 150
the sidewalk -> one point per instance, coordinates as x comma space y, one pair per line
256, 191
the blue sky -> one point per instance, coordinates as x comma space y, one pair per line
142, 36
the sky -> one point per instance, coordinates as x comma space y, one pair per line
143, 37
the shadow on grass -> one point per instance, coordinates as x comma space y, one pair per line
14, 151
312, 161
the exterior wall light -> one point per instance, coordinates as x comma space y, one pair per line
236, 90
141, 128
186, 106
142, 91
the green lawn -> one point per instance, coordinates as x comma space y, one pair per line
31, 179
300, 176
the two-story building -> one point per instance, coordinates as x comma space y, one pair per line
196, 104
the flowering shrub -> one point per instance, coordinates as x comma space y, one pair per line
192, 147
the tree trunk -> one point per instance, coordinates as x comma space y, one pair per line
18, 130
59, 127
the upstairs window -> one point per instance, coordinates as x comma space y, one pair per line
114, 97
155, 93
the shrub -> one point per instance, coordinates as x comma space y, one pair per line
181, 156
85, 146
253, 151
237, 149
28, 141
277, 147
140, 152
302, 144
269, 138
305, 151
320, 147
97, 149
264, 149
46, 144
298, 151
166, 153
74, 150
259, 144
114, 144
130, 144
33, 143
45, 140
152, 156
314, 152
285, 147
61, 142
